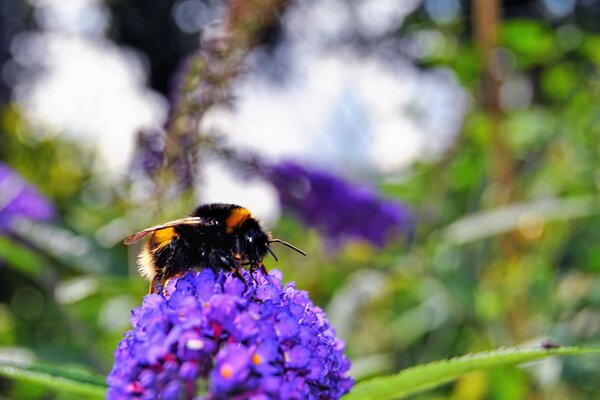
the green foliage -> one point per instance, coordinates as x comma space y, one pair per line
428, 376
73, 381
532, 42
20, 257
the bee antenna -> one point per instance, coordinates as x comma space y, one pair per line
273, 254
288, 245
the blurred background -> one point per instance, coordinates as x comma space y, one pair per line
437, 159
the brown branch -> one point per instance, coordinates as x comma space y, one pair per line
486, 22
208, 75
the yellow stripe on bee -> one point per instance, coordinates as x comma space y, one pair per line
162, 237
236, 218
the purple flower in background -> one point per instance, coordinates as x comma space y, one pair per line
338, 209
149, 152
19, 199
207, 330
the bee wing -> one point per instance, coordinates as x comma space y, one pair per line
136, 237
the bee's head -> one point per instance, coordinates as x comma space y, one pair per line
253, 239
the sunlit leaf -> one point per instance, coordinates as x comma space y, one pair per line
423, 377
498, 221
20, 257
59, 378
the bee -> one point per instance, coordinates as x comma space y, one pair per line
219, 236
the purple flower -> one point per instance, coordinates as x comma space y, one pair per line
266, 341
338, 209
149, 152
19, 199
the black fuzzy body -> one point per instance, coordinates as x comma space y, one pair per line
228, 238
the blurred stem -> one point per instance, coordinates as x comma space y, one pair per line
486, 22
207, 78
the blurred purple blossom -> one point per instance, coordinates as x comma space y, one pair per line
19, 199
337, 208
149, 152
265, 342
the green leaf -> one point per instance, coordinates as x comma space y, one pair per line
60, 378
20, 257
428, 376
532, 42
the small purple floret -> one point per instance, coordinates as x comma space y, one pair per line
266, 342
19, 199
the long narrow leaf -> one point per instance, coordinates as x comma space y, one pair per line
428, 376
20, 257
63, 379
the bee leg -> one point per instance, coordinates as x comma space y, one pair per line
263, 269
253, 268
236, 272
156, 284
235, 269
169, 279
238, 262
257, 265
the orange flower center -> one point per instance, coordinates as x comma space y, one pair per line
226, 371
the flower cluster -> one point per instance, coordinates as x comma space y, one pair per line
256, 341
20, 199
338, 209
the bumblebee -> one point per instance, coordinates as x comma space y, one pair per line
219, 236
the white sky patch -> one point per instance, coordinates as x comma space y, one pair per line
220, 184
316, 22
82, 85
347, 113
74, 16
92, 91
378, 17
351, 115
